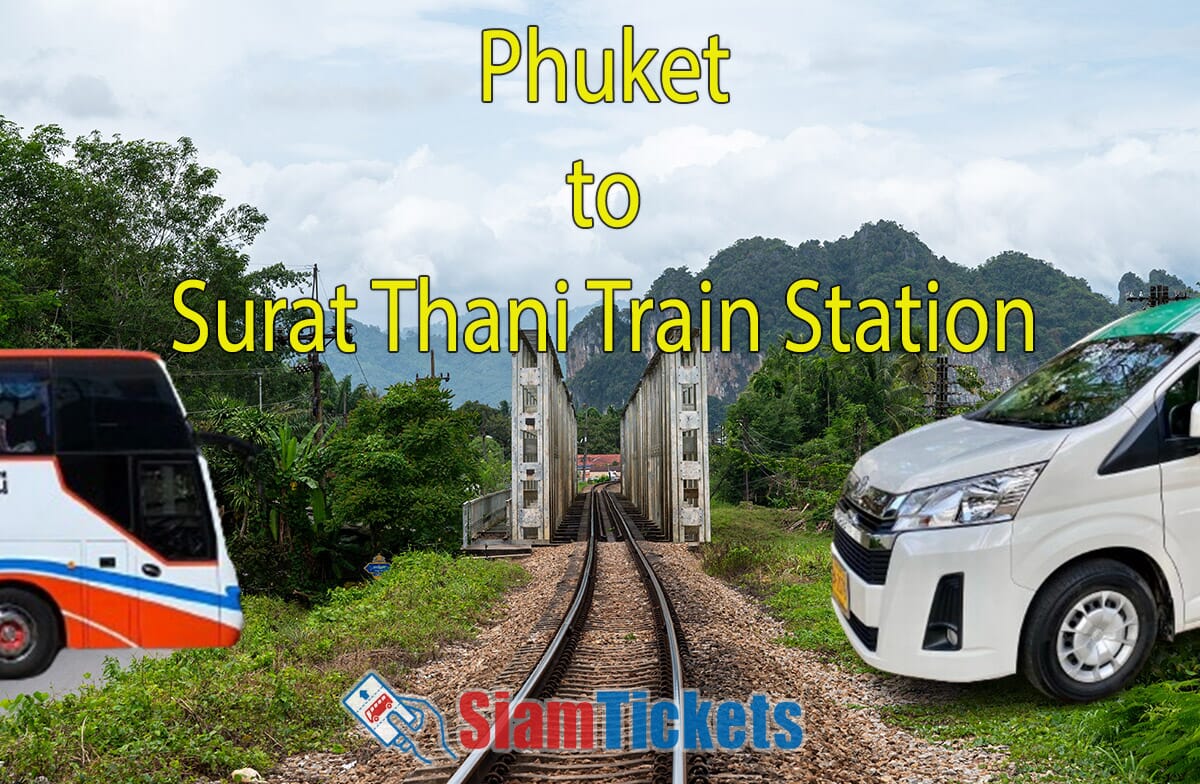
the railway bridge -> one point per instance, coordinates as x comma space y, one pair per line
664, 486
662, 495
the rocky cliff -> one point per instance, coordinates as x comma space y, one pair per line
876, 261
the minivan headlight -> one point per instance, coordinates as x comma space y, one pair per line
991, 498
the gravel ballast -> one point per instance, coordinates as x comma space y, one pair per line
472, 664
732, 652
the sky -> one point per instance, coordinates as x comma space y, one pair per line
1071, 133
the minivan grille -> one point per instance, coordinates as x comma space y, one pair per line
870, 565
866, 519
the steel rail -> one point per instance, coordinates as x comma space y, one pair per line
479, 763
480, 760
667, 619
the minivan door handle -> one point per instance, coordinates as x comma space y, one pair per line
108, 562
151, 570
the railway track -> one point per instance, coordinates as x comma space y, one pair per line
611, 637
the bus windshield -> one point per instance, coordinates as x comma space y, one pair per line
24, 408
1086, 383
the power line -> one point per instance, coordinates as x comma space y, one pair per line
270, 406
360, 369
226, 372
758, 436
297, 267
356, 359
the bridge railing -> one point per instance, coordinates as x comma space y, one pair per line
486, 514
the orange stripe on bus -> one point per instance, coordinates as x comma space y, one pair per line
159, 627
76, 353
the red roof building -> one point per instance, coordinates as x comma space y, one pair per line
599, 466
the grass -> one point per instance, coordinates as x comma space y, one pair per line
203, 713
1115, 740
787, 570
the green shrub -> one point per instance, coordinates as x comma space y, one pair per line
729, 561
1158, 725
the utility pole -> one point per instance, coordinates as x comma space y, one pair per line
941, 387
583, 468
314, 367
433, 368
312, 364
483, 432
746, 449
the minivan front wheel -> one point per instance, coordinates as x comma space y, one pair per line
1089, 631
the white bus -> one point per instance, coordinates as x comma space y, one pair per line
109, 533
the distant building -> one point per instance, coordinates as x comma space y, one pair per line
599, 467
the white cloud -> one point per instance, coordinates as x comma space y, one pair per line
358, 129
672, 149
87, 96
514, 237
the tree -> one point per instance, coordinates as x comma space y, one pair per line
495, 422
340, 397
403, 466
275, 502
297, 501
495, 470
803, 420
602, 430
95, 235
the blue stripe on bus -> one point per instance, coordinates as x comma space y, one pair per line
226, 601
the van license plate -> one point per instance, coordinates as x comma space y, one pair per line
841, 587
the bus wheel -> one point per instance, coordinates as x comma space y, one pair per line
1089, 631
29, 638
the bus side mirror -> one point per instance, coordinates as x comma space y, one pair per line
1194, 425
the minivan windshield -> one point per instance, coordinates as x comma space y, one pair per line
1085, 383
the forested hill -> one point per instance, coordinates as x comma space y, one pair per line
876, 261
483, 377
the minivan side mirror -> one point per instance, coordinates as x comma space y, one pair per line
1194, 425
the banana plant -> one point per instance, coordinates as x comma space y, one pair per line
297, 470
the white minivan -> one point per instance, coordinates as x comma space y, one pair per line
1055, 531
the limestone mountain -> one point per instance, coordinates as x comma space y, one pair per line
1132, 284
876, 261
